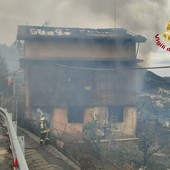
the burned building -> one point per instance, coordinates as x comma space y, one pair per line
76, 74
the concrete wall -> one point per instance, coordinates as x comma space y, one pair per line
128, 127
61, 127
130, 121
79, 51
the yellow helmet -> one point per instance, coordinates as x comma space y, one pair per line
42, 117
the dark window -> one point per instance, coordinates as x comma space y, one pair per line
75, 114
115, 114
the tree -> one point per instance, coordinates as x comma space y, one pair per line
3, 74
3, 66
94, 131
150, 141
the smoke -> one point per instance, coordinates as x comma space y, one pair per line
146, 17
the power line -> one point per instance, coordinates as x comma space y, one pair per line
159, 67
16, 72
115, 12
8, 59
113, 69
21, 71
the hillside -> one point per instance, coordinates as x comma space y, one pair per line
152, 81
153, 101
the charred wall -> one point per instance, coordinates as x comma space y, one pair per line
60, 85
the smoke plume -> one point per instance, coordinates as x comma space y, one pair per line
146, 17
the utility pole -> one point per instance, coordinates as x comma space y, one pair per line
115, 12
27, 96
16, 109
13, 97
0, 100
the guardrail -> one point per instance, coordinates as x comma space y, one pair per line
17, 146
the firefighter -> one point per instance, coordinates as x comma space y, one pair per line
44, 131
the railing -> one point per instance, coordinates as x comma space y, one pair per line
17, 143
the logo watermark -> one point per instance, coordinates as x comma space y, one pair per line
166, 36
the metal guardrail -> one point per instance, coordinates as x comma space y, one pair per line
17, 149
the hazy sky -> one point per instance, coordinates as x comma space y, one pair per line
146, 17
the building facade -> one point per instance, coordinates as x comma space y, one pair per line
77, 75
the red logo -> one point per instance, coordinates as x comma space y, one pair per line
165, 35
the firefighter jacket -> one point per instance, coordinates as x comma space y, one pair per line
43, 125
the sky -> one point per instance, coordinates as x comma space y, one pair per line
146, 17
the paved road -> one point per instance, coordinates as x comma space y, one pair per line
44, 157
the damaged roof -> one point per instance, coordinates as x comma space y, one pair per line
26, 32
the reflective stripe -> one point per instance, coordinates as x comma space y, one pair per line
44, 131
43, 125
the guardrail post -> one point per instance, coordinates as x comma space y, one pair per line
10, 114
22, 143
15, 126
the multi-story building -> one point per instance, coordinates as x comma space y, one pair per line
77, 74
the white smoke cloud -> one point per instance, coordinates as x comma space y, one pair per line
146, 17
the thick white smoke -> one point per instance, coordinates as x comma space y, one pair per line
146, 17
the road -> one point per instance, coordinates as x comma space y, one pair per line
44, 157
